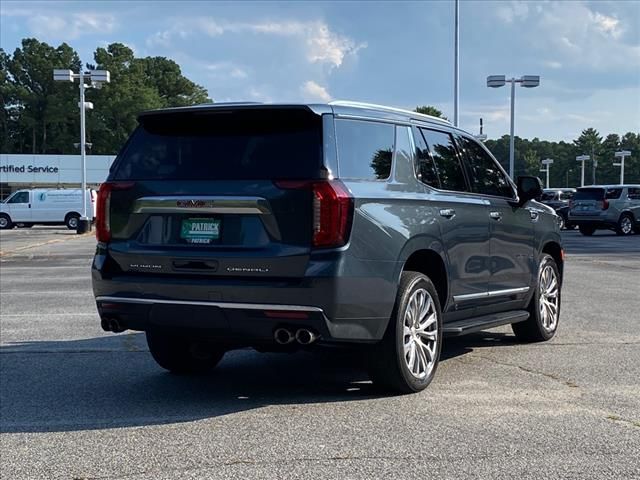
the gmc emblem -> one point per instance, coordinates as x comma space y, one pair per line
193, 203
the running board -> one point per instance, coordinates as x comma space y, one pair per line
475, 324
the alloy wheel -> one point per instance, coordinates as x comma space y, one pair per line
549, 289
420, 337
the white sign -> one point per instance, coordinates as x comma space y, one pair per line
53, 169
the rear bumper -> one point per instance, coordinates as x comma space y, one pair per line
337, 308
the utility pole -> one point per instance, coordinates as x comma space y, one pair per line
594, 164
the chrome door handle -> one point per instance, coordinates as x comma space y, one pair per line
447, 212
496, 215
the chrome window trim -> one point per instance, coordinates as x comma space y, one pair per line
490, 293
230, 305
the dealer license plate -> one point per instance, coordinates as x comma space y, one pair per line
200, 230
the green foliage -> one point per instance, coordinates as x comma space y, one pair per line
429, 110
41, 116
565, 171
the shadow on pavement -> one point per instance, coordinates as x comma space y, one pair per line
111, 382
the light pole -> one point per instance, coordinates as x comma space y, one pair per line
621, 155
97, 78
582, 158
456, 65
527, 81
547, 163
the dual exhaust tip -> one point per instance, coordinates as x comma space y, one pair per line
284, 336
112, 325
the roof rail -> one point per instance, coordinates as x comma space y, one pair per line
373, 106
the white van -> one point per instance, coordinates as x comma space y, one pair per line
47, 207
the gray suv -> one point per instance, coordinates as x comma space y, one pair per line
282, 227
613, 207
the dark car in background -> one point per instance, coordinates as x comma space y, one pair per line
282, 227
558, 199
613, 207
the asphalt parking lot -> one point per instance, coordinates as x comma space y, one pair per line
78, 403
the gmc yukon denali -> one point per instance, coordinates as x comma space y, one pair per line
290, 226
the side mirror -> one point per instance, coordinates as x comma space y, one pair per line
529, 188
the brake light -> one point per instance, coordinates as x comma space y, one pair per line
103, 227
605, 204
571, 203
332, 211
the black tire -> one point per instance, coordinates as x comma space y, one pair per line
533, 329
182, 355
625, 224
5, 222
71, 221
587, 230
388, 366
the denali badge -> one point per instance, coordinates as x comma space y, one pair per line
247, 270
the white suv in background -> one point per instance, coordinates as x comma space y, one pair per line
613, 207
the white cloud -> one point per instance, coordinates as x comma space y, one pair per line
322, 45
72, 26
311, 91
552, 64
226, 70
585, 38
508, 12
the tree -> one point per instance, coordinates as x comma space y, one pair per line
40, 110
40, 115
429, 110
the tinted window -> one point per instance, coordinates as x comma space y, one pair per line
486, 176
425, 167
589, 194
634, 193
443, 152
20, 197
547, 196
566, 195
365, 149
613, 193
244, 144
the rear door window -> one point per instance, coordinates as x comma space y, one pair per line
426, 170
634, 193
613, 193
259, 144
486, 176
365, 149
445, 158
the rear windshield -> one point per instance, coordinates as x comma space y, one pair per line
546, 196
597, 193
238, 145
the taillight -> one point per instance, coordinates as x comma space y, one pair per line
571, 203
103, 227
605, 204
332, 211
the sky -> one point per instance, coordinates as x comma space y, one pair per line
393, 53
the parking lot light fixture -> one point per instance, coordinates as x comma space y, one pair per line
547, 163
582, 158
527, 81
622, 154
95, 78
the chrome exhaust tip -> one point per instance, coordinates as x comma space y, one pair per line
305, 337
282, 336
